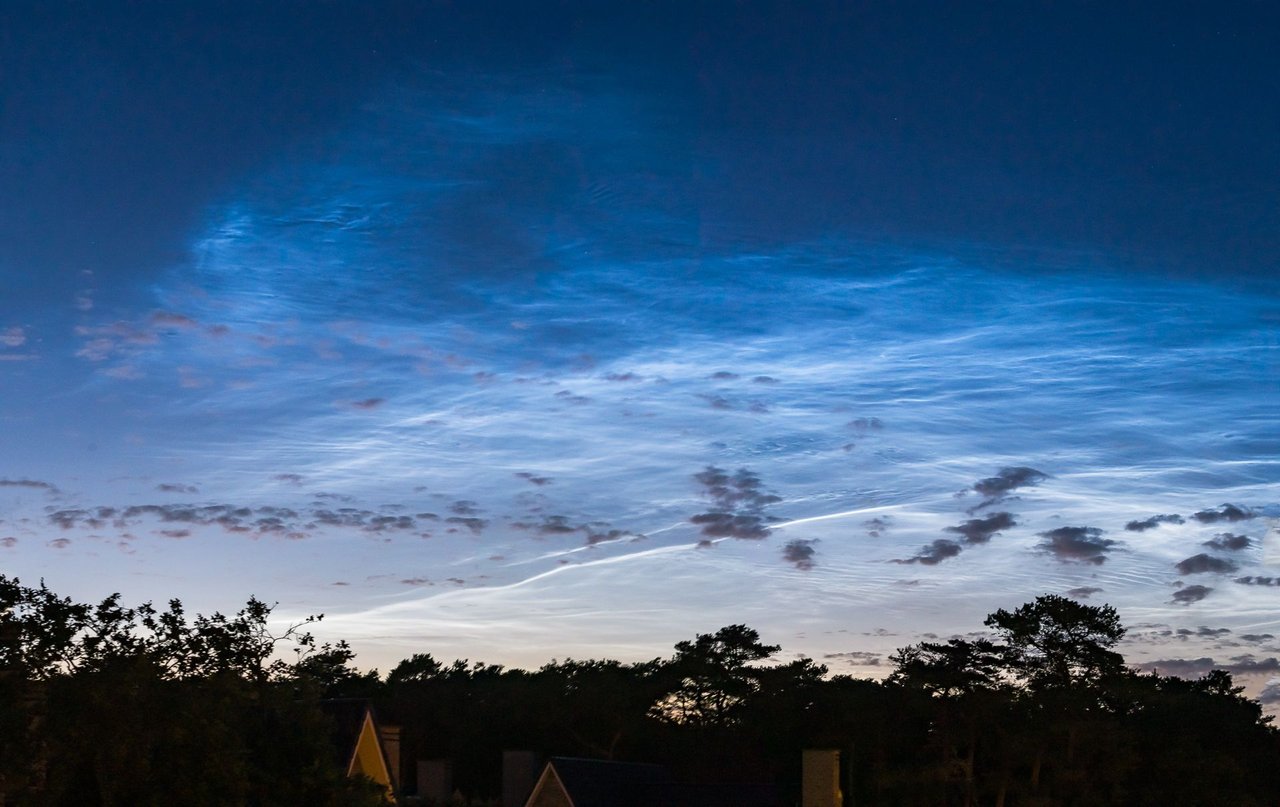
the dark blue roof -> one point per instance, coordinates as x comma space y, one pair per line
602, 783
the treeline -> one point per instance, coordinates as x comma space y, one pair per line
114, 706
139, 707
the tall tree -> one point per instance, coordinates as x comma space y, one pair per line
1055, 642
712, 676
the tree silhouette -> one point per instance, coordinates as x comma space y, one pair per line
1057, 643
713, 679
109, 705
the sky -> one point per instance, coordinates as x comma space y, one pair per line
532, 331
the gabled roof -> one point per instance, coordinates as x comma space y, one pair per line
356, 741
600, 783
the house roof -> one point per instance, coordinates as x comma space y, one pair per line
348, 721
601, 783
720, 794
357, 742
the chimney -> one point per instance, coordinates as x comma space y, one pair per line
390, 737
435, 780
821, 787
519, 775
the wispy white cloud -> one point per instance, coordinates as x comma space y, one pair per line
520, 318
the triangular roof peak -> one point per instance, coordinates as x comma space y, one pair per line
357, 741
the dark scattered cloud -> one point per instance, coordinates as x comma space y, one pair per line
167, 487
533, 478
292, 479
368, 403
717, 401
859, 657
1202, 632
34, 484
176, 533
415, 581
740, 490
980, 530
59, 543
598, 533
379, 523
1077, 544
723, 375
877, 526
623, 377
738, 503
1180, 667
1257, 638
1190, 594
1083, 592
1270, 693
1153, 522
475, 525
799, 552
1221, 637
464, 507
1227, 512
1201, 563
728, 525
1196, 667
996, 488
1252, 580
1227, 542
67, 519
864, 425
340, 517
252, 521
765, 379
8, 541
973, 531
1007, 480
934, 553
550, 525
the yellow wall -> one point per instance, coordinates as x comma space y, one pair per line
367, 759
549, 792
822, 779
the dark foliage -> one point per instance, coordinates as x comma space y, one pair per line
106, 705
113, 706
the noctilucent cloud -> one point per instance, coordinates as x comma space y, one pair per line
514, 335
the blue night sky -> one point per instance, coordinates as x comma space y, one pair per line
547, 330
